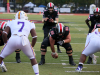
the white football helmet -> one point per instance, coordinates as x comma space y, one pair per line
3, 25
21, 15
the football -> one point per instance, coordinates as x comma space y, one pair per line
54, 55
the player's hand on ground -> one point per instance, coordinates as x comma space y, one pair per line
54, 55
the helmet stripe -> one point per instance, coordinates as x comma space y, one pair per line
50, 4
2, 25
97, 10
60, 27
19, 15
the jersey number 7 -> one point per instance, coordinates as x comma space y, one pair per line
20, 30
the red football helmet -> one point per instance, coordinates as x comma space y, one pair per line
3, 25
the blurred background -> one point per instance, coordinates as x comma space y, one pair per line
62, 6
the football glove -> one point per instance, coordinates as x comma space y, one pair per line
60, 43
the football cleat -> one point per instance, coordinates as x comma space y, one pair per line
79, 69
18, 60
72, 63
89, 60
59, 51
94, 59
42, 62
3, 67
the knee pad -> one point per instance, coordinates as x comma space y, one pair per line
71, 51
18, 50
43, 48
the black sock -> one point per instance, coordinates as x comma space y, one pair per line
42, 56
70, 57
58, 47
80, 65
17, 55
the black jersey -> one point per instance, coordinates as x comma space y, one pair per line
52, 15
93, 20
56, 37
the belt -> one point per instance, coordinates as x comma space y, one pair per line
18, 35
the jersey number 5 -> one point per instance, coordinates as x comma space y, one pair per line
20, 30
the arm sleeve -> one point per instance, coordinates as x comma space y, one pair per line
44, 14
88, 17
32, 26
8, 23
52, 34
56, 15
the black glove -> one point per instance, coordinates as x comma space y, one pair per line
60, 43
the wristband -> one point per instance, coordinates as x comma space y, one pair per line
5, 32
55, 21
34, 36
63, 41
53, 53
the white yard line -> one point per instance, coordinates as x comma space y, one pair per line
71, 43
67, 55
68, 60
83, 71
52, 63
73, 67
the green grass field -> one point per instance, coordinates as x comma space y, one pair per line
59, 66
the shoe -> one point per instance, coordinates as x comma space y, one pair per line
41, 62
59, 51
79, 69
94, 59
89, 60
72, 63
3, 67
18, 60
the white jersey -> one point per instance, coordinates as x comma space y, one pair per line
20, 27
95, 33
92, 43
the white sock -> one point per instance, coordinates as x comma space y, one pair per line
36, 69
80, 63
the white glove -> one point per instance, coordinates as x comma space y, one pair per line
60, 43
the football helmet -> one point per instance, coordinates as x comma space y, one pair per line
60, 28
3, 25
21, 15
96, 12
50, 5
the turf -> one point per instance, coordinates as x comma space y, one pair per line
78, 30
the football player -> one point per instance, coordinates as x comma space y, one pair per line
50, 19
2, 27
92, 47
57, 35
95, 18
19, 39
